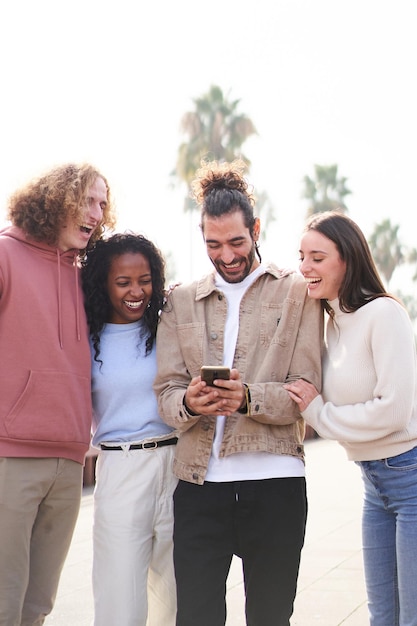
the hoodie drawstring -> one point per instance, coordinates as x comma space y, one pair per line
77, 300
61, 343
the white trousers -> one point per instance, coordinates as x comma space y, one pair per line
133, 571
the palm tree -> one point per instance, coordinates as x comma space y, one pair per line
412, 259
386, 248
216, 130
326, 191
265, 210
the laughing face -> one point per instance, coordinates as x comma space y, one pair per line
129, 286
76, 234
321, 266
230, 246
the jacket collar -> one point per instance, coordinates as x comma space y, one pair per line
206, 285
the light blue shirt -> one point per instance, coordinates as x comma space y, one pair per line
124, 403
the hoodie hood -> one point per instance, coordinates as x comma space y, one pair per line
17, 233
68, 258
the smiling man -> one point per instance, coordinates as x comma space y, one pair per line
45, 405
239, 457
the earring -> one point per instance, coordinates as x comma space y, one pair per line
257, 251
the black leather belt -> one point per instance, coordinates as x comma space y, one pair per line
143, 446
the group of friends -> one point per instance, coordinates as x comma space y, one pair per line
96, 350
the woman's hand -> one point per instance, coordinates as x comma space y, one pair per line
302, 392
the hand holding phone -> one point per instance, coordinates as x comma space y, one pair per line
209, 373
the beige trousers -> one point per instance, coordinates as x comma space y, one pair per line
39, 504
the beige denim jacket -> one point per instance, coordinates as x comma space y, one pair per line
280, 339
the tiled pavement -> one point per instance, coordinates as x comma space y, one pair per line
331, 589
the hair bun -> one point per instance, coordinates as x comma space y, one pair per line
213, 175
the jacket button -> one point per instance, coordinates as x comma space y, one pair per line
220, 297
213, 335
257, 407
195, 477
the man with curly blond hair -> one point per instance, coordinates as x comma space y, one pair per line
239, 457
45, 395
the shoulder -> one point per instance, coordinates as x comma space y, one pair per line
381, 316
285, 281
383, 306
271, 269
181, 297
183, 290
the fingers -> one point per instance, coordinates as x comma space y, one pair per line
302, 392
223, 399
203, 399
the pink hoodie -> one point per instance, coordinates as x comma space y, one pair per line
45, 383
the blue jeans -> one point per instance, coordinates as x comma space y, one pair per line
262, 522
389, 534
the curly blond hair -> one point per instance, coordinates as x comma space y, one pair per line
42, 207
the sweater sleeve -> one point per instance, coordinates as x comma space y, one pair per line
390, 406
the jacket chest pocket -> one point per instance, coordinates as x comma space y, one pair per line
278, 322
192, 339
270, 323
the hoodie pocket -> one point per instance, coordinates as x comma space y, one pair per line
53, 406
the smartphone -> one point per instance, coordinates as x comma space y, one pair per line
212, 372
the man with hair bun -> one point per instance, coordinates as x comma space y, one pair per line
45, 382
239, 457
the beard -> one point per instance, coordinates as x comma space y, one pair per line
246, 264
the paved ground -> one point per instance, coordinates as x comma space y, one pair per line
331, 588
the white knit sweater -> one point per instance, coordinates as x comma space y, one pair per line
369, 397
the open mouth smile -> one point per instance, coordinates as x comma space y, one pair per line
231, 266
132, 304
84, 228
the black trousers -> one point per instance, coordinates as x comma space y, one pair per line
262, 522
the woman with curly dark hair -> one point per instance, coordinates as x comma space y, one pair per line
133, 577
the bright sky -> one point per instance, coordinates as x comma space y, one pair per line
324, 81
